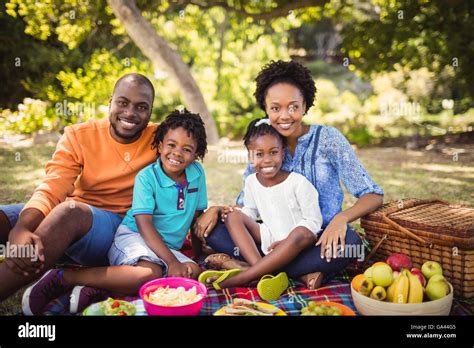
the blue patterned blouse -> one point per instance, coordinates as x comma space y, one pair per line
324, 157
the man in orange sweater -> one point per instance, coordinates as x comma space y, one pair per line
87, 189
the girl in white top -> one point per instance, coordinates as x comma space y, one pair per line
287, 204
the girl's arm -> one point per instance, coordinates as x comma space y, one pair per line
155, 243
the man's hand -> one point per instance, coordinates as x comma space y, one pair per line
27, 244
178, 269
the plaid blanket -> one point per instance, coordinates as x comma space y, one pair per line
291, 302
335, 289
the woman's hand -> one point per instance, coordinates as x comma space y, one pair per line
334, 233
205, 223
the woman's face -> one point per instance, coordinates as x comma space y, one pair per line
285, 107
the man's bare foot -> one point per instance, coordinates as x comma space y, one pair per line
224, 261
312, 280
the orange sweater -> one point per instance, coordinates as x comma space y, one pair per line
89, 166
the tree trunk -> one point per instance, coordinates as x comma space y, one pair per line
161, 54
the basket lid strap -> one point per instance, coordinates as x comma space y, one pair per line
374, 250
403, 229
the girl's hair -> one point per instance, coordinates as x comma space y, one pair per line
259, 127
290, 72
192, 123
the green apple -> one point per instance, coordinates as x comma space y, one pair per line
368, 273
437, 289
431, 268
382, 274
437, 277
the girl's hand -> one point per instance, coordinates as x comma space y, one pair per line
178, 269
226, 210
205, 223
334, 233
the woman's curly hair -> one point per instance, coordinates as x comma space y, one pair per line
192, 123
290, 72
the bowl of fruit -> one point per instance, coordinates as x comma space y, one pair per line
395, 287
326, 308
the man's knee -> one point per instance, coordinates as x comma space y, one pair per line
75, 213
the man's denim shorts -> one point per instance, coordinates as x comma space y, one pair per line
90, 250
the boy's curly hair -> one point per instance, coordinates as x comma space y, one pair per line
290, 72
262, 129
187, 120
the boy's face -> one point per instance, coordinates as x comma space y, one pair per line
177, 151
130, 110
266, 155
285, 107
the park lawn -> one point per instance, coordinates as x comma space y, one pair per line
401, 174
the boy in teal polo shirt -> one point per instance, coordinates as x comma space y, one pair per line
167, 196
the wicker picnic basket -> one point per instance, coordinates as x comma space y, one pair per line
426, 230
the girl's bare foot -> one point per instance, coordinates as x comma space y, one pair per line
224, 261
312, 280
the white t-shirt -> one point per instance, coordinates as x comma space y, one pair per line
291, 203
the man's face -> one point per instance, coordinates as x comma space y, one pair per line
130, 110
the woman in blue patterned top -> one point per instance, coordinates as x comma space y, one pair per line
285, 92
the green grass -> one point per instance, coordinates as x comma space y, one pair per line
401, 174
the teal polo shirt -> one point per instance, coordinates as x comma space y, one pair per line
172, 206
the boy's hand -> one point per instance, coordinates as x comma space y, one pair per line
178, 269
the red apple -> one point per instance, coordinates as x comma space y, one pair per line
399, 261
417, 273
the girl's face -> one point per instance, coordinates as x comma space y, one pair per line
285, 107
266, 155
177, 151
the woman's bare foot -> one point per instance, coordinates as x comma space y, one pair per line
224, 261
312, 280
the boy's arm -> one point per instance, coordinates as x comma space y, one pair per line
155, 243
196, 243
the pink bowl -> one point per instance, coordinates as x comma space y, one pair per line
173, 282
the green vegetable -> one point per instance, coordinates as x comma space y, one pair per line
117, 307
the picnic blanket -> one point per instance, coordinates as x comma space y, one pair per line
296, 297
335, 288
